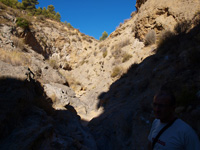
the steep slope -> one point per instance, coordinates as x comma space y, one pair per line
113, 80
127, 115
163, 16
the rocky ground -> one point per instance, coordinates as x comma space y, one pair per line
61, 89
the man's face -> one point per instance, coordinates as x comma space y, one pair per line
162, 108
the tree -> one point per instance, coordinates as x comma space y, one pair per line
65, 22
38, 11
57, 16
22, 22
19, 5
44, 12
51, 10
69, 25
29, 4
104, 36
11, 3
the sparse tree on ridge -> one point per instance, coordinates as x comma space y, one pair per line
44, 12
57, 16
104, 36
29, 4
51, 10
38, 11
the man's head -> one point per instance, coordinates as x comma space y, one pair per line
164, 105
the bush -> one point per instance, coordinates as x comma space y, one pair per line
104, 36
53, 63
126, 57
116, 72
19, 43
150, 38
69, 25
105, 52
182, 27
165, 39
116, 53
124, 43
41, 17
23, 23
116, 49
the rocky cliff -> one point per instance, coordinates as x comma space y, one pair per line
70, 91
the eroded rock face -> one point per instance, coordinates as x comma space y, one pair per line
163, 15
62, 96
139, 3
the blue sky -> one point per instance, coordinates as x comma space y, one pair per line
92, 17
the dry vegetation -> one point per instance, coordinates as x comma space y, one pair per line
126, 57
150, 38
123, 43
15, 58
73, 83
19, 43
117, 48
117, 71
53, 63
164, 36
105, 52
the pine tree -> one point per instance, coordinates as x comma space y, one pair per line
57, 16
19, 5
65, 22
44, 12
104, 36
29, 4
51, 10
38, 11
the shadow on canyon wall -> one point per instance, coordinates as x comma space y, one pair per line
127, 104
28, 121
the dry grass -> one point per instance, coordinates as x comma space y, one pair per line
150, 38
19, 43
116, 53
117, 48
15, 58
123, 43
126, 57
73, 83
53, 63
165, 36
182, 27
3, 21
